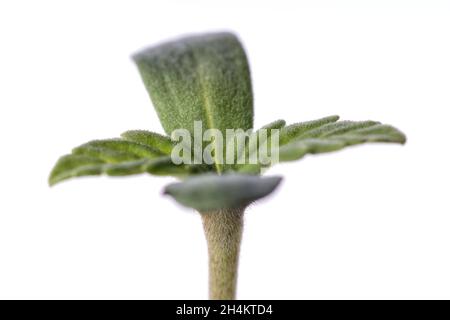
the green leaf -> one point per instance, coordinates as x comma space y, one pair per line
295, 130
206, 78
199, 78
336, 128
249, 150
127, 168
165, 167
277, 124
336, 136
249, 168
116, 150
115, 157
73, 165
154, 140
240, 153
209, 191
70, 166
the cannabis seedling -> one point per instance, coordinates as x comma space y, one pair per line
205, 80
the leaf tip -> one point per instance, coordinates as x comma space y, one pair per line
50, 182
403, 139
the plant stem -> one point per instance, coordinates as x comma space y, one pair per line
223, 231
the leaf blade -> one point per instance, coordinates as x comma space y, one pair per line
151, 139
203, 77
336, 136
116, 150
210, 192
292, 131
70, 166
116, 157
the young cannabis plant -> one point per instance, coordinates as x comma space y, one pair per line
205, 80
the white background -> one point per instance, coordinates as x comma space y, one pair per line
368, 222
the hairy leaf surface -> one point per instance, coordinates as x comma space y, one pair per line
199, 78
295, 130
154, 140
327, 135
118, 157
336, 136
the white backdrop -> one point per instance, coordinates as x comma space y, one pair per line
368, 222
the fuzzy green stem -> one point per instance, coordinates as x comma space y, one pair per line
223, 231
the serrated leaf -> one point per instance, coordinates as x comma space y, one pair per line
295, 130
277, 124
116, 150
151, 139
249, 150
336, 136
116, 157
70, 166
206, 78
336, 128
73, 165
199, 78
210, 192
